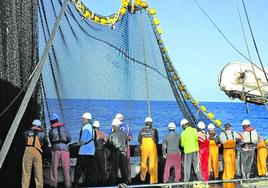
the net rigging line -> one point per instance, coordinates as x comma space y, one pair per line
253, 69
254, 41
145, 71
225, 38
53, 50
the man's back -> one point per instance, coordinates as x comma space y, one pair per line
118, 140
189, 140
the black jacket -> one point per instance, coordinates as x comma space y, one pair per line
118, 140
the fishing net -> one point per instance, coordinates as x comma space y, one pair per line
107, 69
102, 65
18, 56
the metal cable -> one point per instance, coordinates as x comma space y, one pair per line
254, 73
225, 38
253, 38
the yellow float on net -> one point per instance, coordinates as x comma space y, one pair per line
156, 21
218, 122
164, 49
174, 77
103, 21
141, 3
96, 19
125, 3
203, 108
170, 68
160, 41
152, 11
123, 11
159, 31
87, 14
195, 102
187, 96
210, 115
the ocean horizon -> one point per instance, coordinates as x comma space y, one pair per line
162, 112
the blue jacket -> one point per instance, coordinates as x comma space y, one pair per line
87, 135
125, 128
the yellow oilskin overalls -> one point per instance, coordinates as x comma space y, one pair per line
214, 158
261, 158
229, 160
32, 157
149, 152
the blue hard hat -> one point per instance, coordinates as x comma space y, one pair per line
54, 117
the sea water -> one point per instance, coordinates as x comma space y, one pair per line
162, 113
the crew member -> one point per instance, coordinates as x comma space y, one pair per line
214, 144
262, 157
228, 138
249, 141
35, 139
189, 142
59, 137
203, 141
100, 155
125, 127
117, 142
148, 138
171, 152
86, 152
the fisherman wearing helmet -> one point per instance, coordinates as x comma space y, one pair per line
189, 142
203, 141
148, 138
214, 144
59, 136
86, 152
172, 153
249, 139
118, 144
100, 155
35, 140
229, 138
125, 127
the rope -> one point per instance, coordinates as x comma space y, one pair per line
49, 56
145, 71
253, 38
254, 72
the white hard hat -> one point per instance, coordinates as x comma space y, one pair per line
96, 124
246, 122
184, 121
171, 126
119, 116
201, 125
148, 119
87, 115
116, 122
211, 126
37, 122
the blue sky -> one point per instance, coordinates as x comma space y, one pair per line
196, 48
